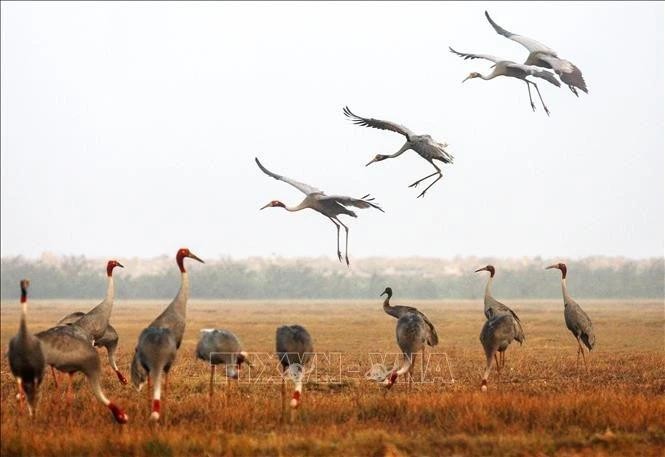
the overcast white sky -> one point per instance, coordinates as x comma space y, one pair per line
130, 129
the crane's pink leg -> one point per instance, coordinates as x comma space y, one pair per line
347, 241
533, 107
55, 377
20, 395
212, 380
339, 253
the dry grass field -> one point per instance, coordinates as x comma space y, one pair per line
542, 405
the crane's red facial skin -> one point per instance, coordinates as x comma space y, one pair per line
274, 204
111, 265
180, 256
560, 266
25, 283
118, 414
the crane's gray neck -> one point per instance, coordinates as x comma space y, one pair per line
488, 287
302, 205
404, 148
488, 77
564, 290
109, 290
180, 302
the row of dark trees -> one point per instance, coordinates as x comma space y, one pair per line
229, 279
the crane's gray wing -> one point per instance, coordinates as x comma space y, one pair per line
364, 202
377, 124
536, 72
567, 71
468, 56
304, 188
529, 43
433, 338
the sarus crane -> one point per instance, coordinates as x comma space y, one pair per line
424, 145
398, 311
494, 308
26, 357
514, 70
158, 343
96, 322
294, 350
577, 320
330, 206
219, 346
495, 336
543, 56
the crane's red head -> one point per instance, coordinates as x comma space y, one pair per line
489, 268
274, 204
180, 257
560, 266
111, 265
377, 158
24, 283
472, 75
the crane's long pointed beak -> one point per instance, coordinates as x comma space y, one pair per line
382, 293
370, 162
552, 266
118, 264
468, 77
264, 207
480, 269
192, 256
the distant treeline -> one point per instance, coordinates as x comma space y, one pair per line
74, 278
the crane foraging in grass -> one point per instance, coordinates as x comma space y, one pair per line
424, 145
294, 350
159, 342
26, 357
218, 346
330, 206
514, 70
542, 56
494, 308
577, 320
96, 322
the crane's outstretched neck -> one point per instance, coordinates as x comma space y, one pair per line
298, 207
180, 301
404, 148
109, 289
488, 287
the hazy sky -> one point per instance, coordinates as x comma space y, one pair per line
131, 129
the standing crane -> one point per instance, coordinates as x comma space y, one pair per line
495, 336
412, 332
330, 206
96, 322
577, 320
513, 70
158, 343
542, 56
68, 348
26, 358
218, 346
495, 308
294, 350
398, 311
424, 145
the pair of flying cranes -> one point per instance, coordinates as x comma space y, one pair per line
540, 56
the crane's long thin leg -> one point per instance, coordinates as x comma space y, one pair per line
582, 351
528, 86
438, 171
422, 365
20, 394
498, 365
488, 369
55, 377
415, 184
212, 381
541, 98
339, 253
346, 253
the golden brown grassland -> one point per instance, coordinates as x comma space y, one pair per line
542, 405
